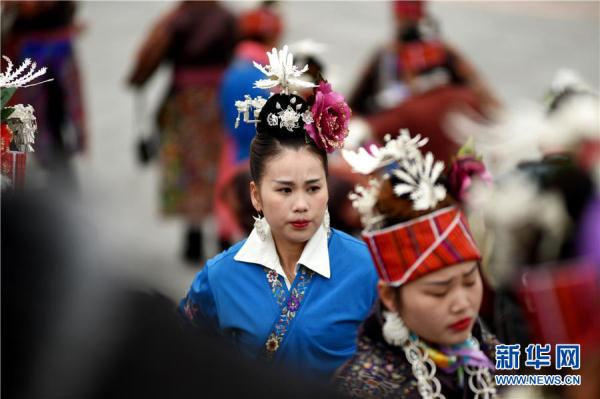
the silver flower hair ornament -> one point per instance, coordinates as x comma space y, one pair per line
281, 71
402, 147
419, 177
21, 76
364, 200
18, 122
20, 118
247, 105
322, 119
289, 117
417, 174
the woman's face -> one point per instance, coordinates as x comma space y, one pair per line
440, 307
292, 194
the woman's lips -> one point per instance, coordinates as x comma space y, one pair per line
462, 324
300, 224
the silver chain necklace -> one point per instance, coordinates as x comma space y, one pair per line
480, 380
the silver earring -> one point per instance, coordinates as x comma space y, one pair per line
260, 225
394, 330
326, 222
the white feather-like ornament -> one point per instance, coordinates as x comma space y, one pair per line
402, 147
281, 71
363, 161
419, 177
24, 74
418, 174
364, 200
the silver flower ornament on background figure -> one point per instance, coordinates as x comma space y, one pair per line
23, 124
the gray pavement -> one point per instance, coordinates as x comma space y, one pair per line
517, 46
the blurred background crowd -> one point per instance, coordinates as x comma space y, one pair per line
143, 175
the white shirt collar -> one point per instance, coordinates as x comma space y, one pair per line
315, 255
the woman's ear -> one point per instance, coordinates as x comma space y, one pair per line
255, 196
388, 296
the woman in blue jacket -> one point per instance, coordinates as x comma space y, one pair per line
293, 293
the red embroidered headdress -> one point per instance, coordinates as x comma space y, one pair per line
424, 229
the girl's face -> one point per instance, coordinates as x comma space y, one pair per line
440, 307
292, 195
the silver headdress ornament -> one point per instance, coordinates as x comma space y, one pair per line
20, 78
416, 172
23, 124
248, 105
288, 118
281, 71
20, 118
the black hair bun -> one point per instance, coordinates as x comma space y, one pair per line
283, 116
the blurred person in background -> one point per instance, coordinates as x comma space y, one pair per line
294, 292
432, 82
197, 39
260, 30
388, 80
539, 219
71, 329
45, 31
542, 232
426, 111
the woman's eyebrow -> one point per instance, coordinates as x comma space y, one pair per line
291, 183
440, 282
470, 271
448, 281
284, 182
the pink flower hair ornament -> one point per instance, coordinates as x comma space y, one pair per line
466, 167
462, 172
330, 114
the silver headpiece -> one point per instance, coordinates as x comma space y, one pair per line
23, 124
281, 71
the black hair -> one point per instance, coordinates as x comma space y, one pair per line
316, 68
410, 34
272, 136
559, 173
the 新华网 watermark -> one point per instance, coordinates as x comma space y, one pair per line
539, 357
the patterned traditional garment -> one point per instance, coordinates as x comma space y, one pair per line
191, 140
58, 104
379, 370
196, 38
309, 326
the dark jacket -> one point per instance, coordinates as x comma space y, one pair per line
379, 370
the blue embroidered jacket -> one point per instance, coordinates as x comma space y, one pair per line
237, 299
